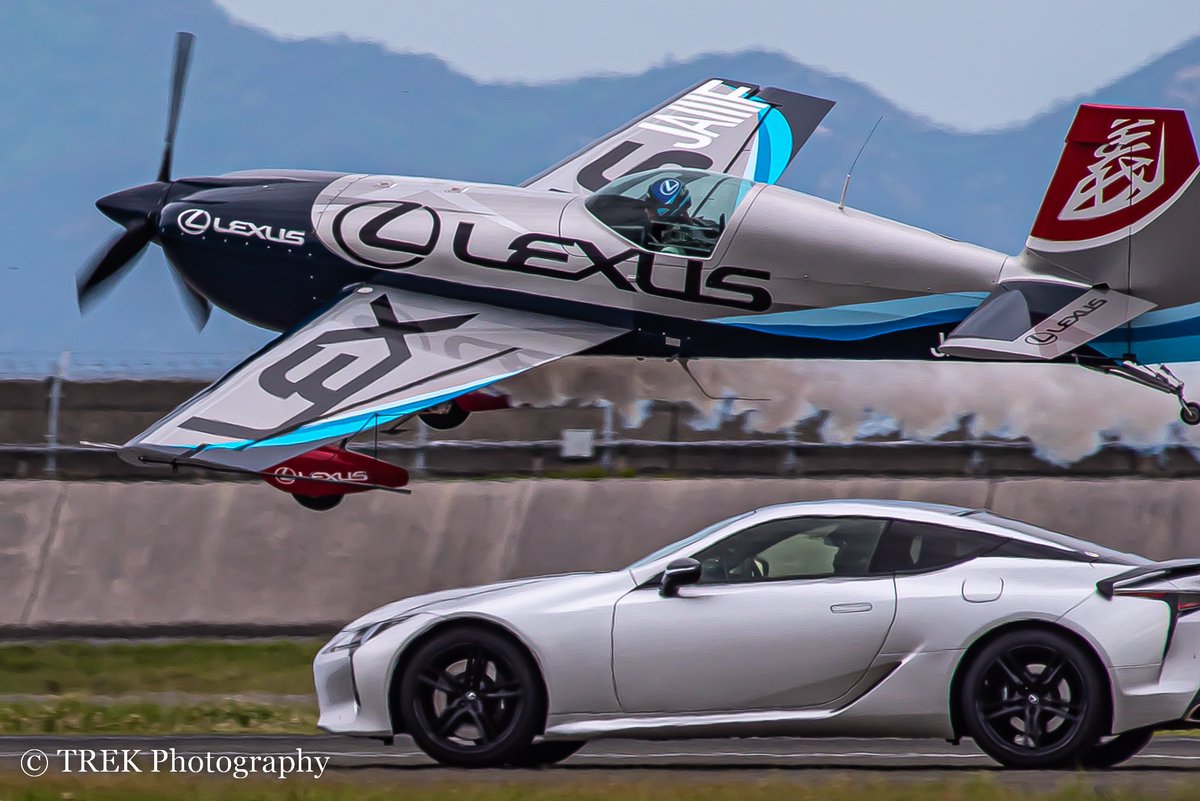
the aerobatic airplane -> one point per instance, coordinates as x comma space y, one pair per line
405, 296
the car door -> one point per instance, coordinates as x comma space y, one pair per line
786, 615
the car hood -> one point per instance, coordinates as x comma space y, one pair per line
444, 599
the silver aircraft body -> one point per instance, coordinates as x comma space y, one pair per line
834, 618
667, 238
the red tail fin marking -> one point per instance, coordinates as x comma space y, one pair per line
1121, 167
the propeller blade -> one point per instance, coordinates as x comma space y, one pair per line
183, 59
199, 309
113, 260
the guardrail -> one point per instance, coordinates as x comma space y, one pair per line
754, 457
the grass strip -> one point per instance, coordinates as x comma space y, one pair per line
150, 787
213, 667
79, 716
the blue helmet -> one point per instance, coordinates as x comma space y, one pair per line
669, 196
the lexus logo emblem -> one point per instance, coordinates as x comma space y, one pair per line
285, 475
391, 234
194, 221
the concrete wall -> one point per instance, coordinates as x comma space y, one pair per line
90, 556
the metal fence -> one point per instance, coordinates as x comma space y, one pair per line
100, 365
607, 446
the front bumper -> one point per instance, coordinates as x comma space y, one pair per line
353, 685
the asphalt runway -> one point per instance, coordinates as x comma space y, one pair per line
1168, 761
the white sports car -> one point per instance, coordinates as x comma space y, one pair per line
836, 618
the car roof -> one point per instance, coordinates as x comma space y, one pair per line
815, 507
917, 511
982, 520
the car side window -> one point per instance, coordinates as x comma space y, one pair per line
908, 546
793, 548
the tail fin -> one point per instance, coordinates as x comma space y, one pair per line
1117, 234
1121, 209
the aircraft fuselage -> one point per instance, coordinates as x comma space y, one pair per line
788, 275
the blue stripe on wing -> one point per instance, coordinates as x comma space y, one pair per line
349, 426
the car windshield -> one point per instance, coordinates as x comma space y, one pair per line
1095, 552
686, 541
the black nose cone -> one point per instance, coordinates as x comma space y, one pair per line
130, 205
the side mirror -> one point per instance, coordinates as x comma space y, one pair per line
679, 572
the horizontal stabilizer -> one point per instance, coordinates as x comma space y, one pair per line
1037, 320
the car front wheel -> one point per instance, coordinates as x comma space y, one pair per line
1033, 699
471, 698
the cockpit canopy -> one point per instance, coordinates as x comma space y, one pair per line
672, 210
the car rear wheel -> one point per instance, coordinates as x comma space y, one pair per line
471, 698
1119, 749
1034, 699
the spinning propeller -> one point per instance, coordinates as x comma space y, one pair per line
138, 211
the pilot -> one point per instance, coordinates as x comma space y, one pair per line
667, 202
668, 199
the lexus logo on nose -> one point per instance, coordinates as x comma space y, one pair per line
194, 221
392, 234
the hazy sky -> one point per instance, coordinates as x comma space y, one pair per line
966, 63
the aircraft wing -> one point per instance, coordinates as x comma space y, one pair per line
725, 126
371, 357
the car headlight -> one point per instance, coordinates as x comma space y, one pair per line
350, 639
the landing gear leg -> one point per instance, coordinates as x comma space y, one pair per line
1159, 378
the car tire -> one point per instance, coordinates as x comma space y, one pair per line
453, 417
1119, 749
471, 698
1034, 699
546, 753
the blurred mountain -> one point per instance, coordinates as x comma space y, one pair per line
83, 93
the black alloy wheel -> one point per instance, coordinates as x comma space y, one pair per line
1033, 699
471, 698
1116, 750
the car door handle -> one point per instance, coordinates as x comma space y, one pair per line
842, 609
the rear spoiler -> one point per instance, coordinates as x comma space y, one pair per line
1159, 570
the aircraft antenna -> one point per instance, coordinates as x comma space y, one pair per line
853, 164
